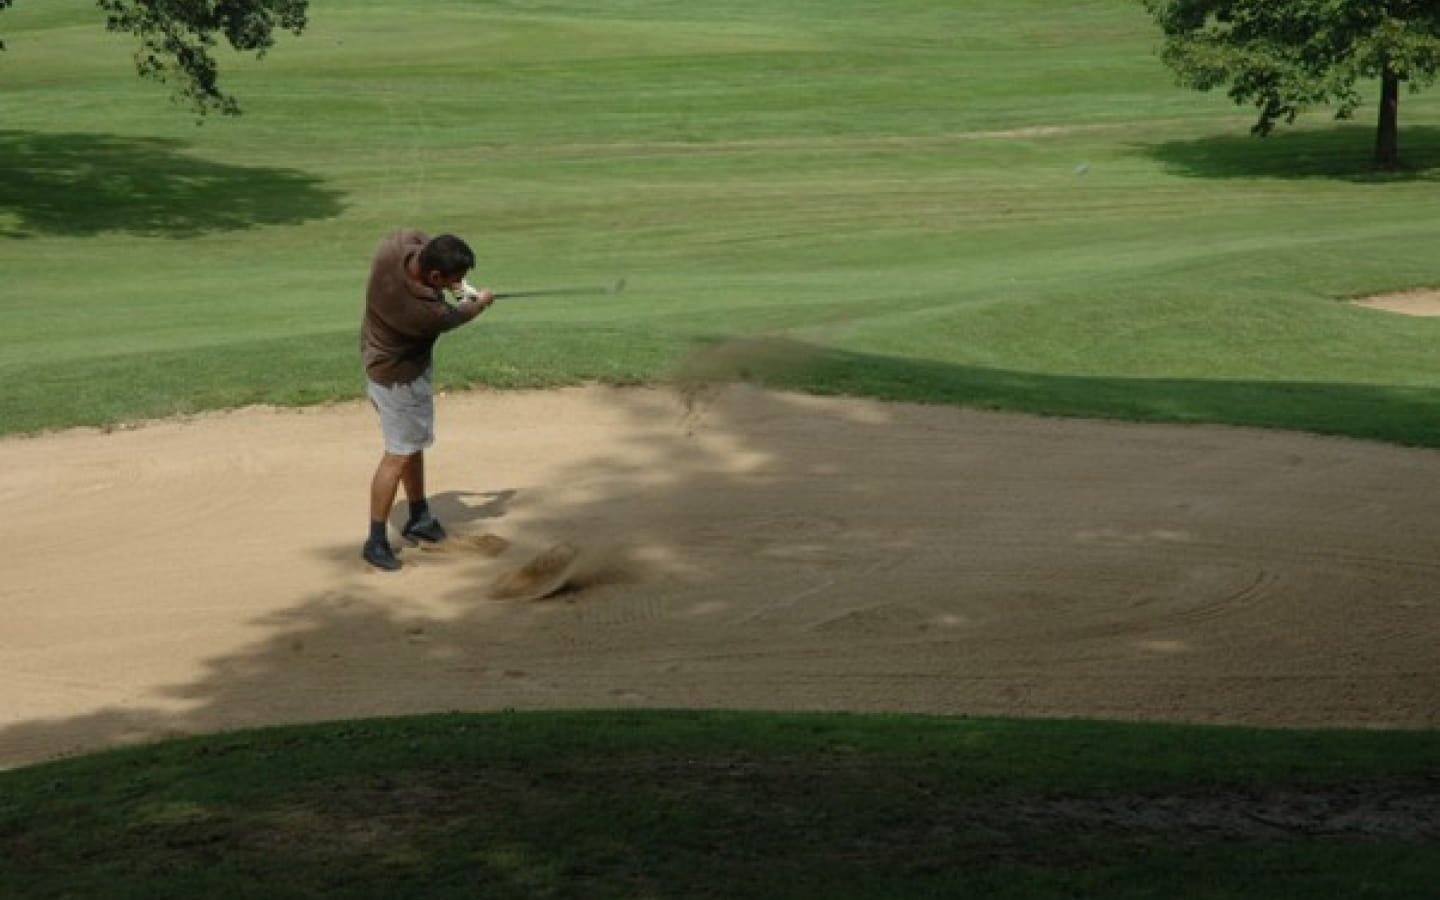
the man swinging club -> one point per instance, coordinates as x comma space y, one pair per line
405, 313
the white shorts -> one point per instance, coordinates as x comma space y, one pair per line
407, 414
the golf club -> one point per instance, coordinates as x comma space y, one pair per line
614, 288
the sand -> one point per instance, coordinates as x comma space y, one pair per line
1419, 302
732, 548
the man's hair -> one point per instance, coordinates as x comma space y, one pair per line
448, 255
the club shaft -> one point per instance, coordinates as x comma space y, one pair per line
563, 292
552, 292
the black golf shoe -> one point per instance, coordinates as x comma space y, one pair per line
426, 528
381, 556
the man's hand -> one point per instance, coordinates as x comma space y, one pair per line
484, 297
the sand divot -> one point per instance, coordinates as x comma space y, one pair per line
540, 577
488, 545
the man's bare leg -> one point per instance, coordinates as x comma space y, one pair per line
383, 487
393, 469
413, 478
420, 525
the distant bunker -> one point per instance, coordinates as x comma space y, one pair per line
1418, 302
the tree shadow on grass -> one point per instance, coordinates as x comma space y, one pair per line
80, 185
1339, 153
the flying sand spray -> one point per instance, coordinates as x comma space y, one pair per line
553, 569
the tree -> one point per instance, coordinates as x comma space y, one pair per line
1285, 56
177, 36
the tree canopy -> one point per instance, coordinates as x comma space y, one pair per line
176, 38
1286, 56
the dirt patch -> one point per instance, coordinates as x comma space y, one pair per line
1364, 811
908, 812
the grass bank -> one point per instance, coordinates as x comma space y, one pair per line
669, 804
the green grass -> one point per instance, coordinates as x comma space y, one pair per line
840, 196
896, 186
724, 805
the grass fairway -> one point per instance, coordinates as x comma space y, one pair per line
999, 203
995, 203
665, 805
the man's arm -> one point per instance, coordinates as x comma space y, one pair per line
469, 308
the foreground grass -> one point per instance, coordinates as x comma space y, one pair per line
662, 805
998, 203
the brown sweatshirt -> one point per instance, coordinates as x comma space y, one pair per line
403, 317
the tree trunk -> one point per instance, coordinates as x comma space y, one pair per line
1387, 134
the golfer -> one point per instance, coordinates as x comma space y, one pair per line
405, 313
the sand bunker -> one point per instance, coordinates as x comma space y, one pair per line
731, 549
1422, 302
